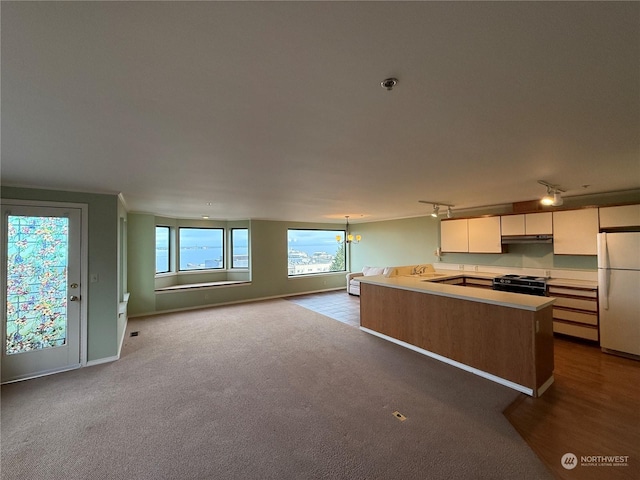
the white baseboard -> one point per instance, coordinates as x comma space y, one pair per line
43, 374
100, 361
235, 302
123, 336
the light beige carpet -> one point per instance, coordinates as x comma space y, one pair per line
267, 390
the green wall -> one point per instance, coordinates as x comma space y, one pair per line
395, 242
268, 257
102, 304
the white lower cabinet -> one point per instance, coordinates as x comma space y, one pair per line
575, 312
478, 282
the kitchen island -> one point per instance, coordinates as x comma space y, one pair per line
505, 337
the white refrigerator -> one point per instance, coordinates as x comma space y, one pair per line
619, 291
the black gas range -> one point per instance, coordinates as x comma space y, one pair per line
526, 284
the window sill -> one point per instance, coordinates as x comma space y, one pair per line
203, 271
317, 274
201, 286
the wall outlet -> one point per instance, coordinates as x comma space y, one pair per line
475, 268
547, 273
461, 267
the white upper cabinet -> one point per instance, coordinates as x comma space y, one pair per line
622, 216
575, 232
512, 224
538, 223
454, 235
484, 235
527, 224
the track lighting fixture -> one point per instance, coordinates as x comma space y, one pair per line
436, 208
553, 198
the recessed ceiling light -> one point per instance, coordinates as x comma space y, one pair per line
205, 217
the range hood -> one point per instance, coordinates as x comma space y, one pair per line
510, 239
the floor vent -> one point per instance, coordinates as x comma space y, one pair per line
134, 334
399, 416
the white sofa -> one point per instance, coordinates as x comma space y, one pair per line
353, 284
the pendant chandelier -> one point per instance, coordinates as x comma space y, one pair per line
349, 237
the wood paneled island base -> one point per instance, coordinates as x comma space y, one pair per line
505, 344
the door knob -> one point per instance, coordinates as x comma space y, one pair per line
74, 298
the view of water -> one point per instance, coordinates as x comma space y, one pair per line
308, 241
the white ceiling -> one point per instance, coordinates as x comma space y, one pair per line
275, 110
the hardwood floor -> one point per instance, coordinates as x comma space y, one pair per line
592, 409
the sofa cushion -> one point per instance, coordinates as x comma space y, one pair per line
368, 271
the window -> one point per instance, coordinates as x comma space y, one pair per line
315, 251
201, 248
162, 249
239, 248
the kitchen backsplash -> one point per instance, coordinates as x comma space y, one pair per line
534, 256
554, 273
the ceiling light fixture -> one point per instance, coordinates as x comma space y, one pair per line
349, 237
436, 208
553, 198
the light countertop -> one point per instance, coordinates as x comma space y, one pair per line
557, 282
568, 282
482, 295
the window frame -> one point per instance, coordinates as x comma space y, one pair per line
180, 270
335, 232
169, 270
232, 266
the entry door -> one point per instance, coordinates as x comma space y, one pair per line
41, 257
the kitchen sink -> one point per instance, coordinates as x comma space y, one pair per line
432, 275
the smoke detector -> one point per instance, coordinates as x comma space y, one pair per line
389, 83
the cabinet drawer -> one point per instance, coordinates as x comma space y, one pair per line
587, 304
570, 315
575, 292
588, 333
